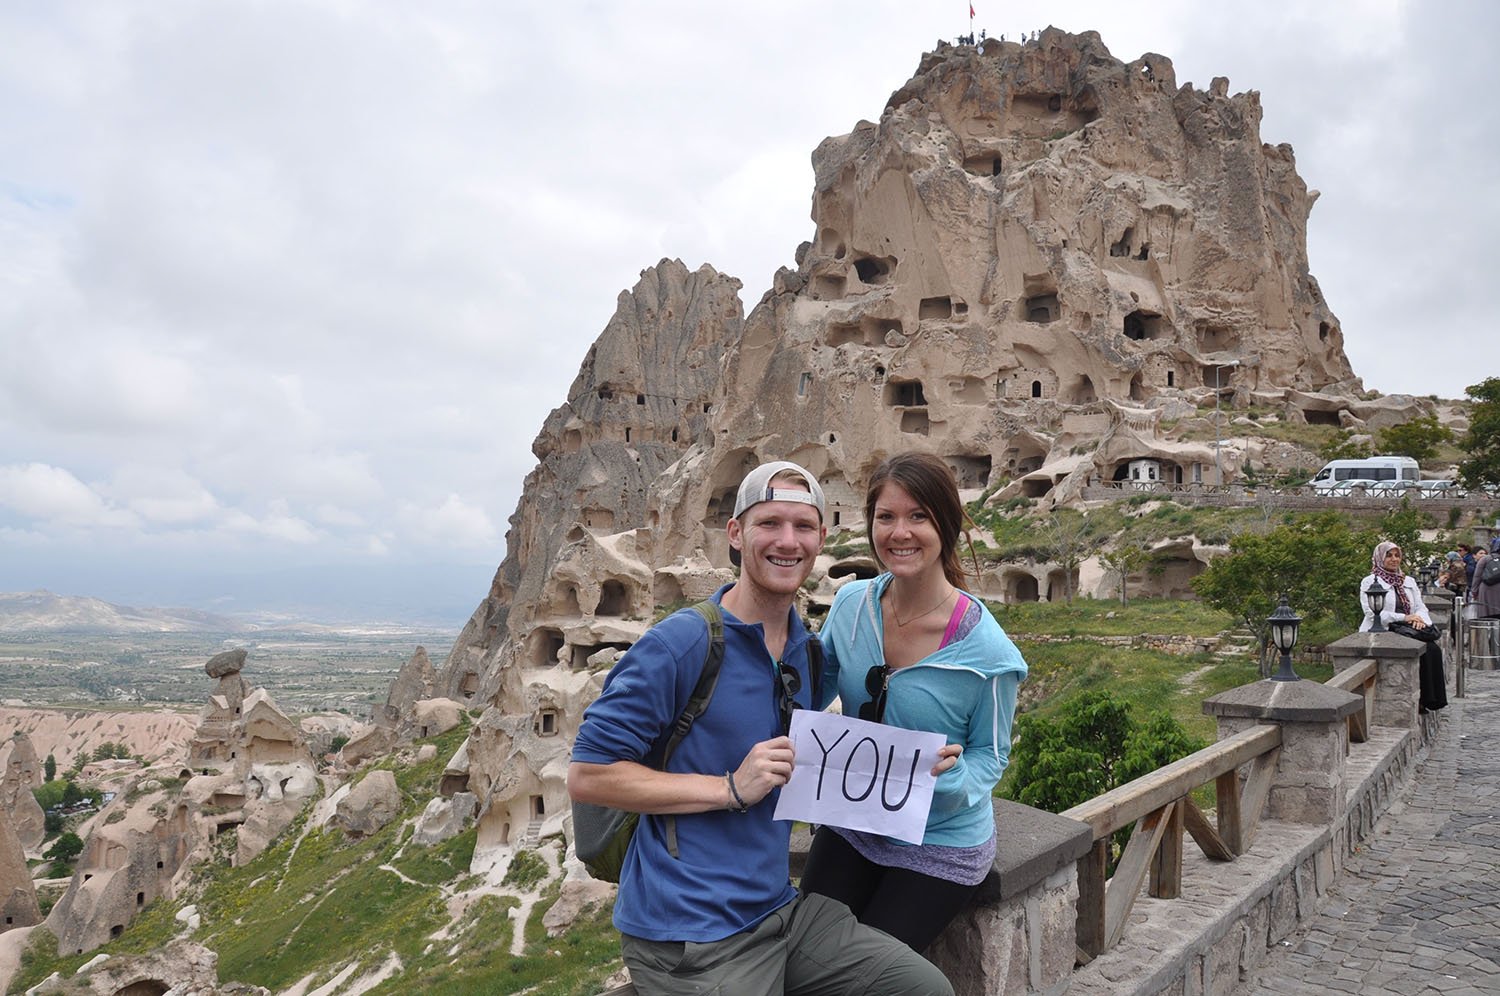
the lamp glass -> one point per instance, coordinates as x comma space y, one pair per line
1284, 623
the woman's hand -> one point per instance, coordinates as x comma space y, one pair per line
1415, 620
947, 758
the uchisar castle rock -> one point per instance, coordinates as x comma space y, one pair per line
1037, 256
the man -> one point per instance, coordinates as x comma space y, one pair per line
1466, 554
722, 915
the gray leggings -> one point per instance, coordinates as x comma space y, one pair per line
812, 946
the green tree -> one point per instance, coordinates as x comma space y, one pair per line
1066, 542
1123, 561
67, 847
1317, 561
1482, 441
72, 795
49, 768
1418, 438
1092, 746
1342, 447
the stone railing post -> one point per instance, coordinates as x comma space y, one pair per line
1019, 935
1308, 785
1396, 686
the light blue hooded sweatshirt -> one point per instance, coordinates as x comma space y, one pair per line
966, 691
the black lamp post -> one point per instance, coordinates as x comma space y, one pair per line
1425, 574
1375, 596
1284, 623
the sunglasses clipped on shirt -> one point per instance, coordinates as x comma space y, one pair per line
876, 681
788, 684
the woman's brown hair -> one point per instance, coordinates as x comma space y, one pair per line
931, 484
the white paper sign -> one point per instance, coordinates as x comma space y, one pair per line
859, 775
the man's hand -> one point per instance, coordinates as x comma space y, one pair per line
947, 758
766, 767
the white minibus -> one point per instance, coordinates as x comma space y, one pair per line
1339, 476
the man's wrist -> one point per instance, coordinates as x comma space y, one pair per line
735, 803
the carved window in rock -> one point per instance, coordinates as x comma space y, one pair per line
614, 599
546, 723
803, 383
1171, 378
546, 643
935, 308
1141, 324
874, 270
971, 472
1042, 309
538, 808
469, 686
905, 394
1036, 389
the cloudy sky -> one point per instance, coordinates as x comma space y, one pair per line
289, 285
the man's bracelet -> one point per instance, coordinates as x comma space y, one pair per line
738, 805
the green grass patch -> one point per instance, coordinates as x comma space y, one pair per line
1085, 617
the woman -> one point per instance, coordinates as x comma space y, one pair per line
1453, 576
912, 649
1403, 603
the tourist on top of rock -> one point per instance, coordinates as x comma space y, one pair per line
725, 886
1403, 604
912, 649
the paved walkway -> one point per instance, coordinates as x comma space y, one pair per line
1417, 910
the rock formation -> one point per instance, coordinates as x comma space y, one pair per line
179, 967
254, 767
370, 805
1037, 258
21, 774
413, 683
127, 862
18, 906
212, 742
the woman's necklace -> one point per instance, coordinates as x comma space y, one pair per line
902, 624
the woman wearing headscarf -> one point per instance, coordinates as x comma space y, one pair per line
1403, 603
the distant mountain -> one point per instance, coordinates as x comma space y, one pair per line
45, 612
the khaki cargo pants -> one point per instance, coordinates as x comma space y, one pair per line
812, 946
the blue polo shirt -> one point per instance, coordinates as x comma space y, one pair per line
732, 869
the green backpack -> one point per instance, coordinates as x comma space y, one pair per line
602, 835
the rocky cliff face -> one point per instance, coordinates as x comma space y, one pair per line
1035, 254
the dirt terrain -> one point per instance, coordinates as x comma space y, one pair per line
154, 735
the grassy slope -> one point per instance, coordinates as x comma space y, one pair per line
314, 902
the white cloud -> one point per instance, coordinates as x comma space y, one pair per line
454, 523
52, 495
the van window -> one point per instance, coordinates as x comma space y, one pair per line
1384, 473
1349, 473
1408, 473
1322, 475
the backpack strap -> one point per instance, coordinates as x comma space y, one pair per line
815, 664
697, 704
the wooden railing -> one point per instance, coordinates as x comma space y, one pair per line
1161, 808
1359, 679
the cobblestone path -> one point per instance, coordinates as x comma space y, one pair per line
1417, 910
